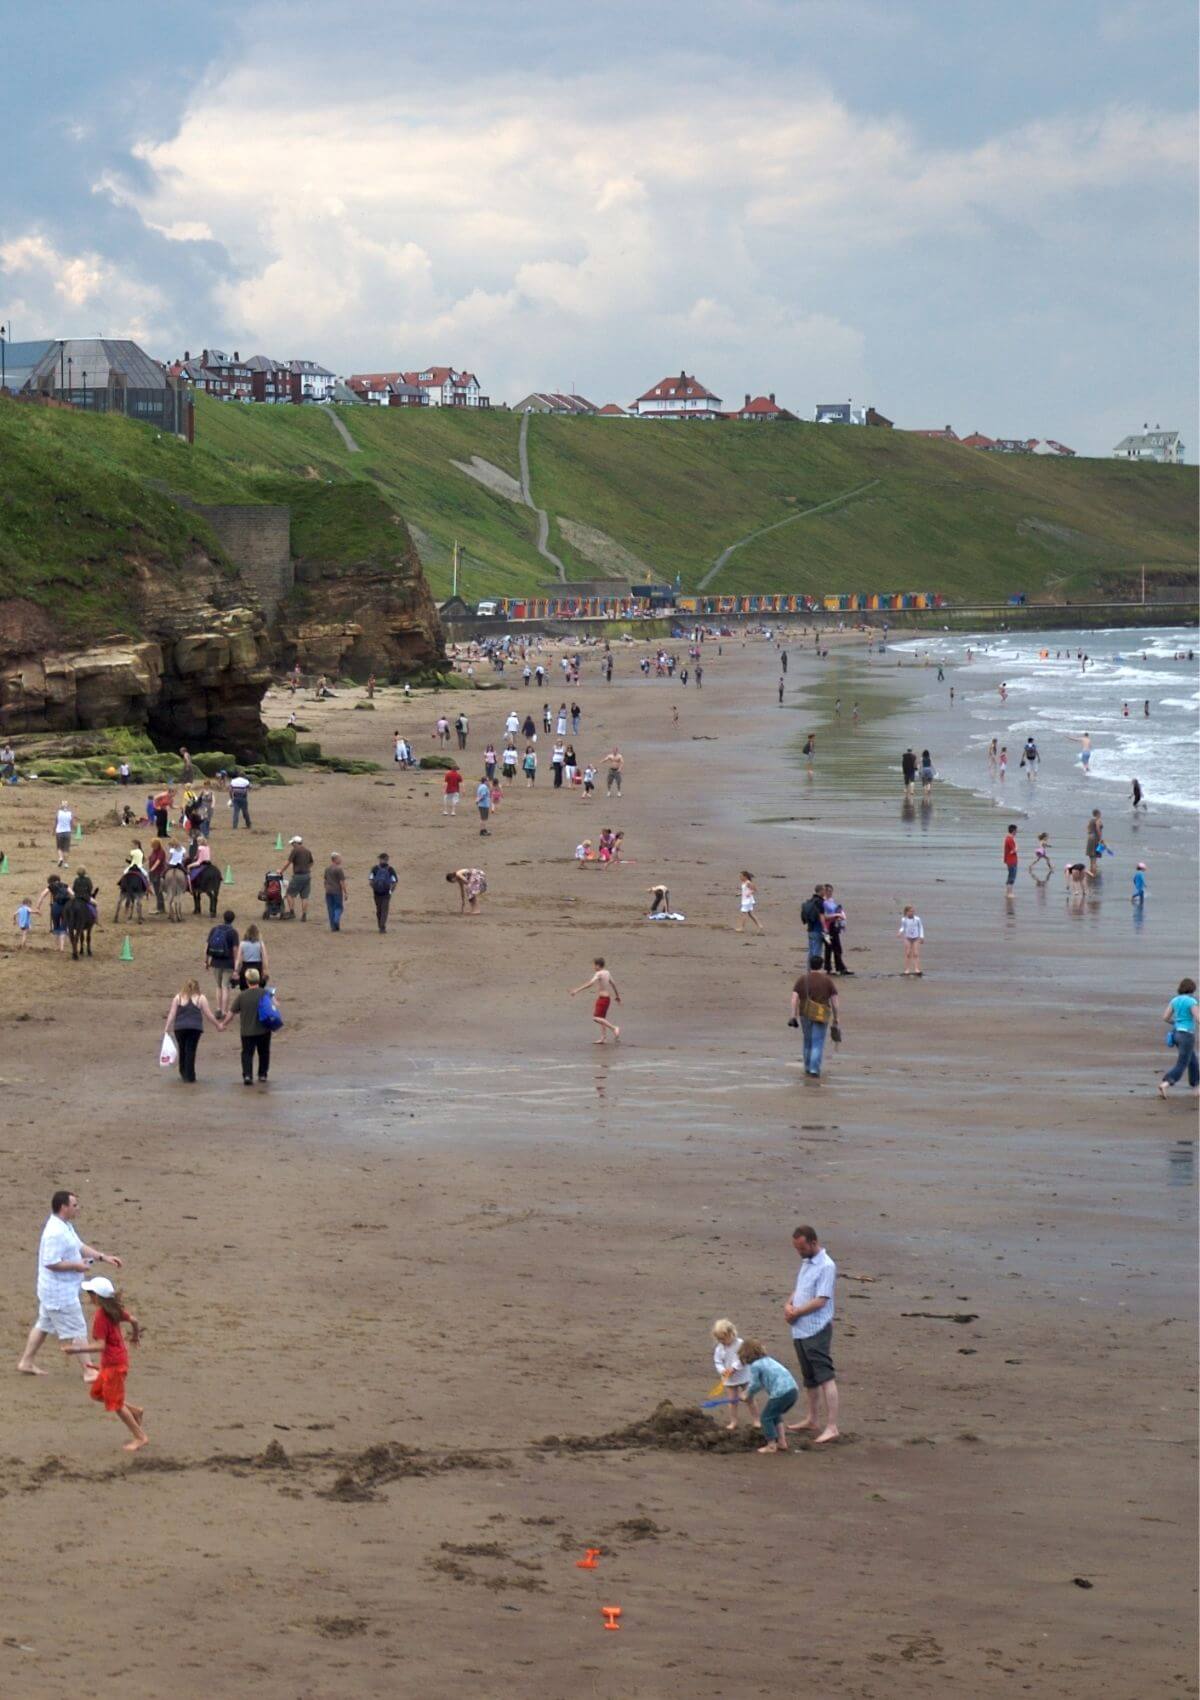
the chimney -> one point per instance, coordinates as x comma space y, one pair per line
771, 397
236, 357
746, 403
186, 355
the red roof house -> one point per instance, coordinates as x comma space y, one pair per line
684, 397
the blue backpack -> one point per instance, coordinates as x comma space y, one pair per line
268, 1011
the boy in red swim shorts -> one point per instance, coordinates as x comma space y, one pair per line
606, 991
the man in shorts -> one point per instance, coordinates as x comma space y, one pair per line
606, 991
616, 768
219, 955
63, 1261
64, 822
300, 861
810, 1313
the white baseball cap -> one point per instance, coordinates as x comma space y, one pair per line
296, 840
101, 1286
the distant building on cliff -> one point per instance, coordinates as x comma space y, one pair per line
386, 389
444, 387
764, 409
260, 378
101, 375
1158, 445
845, 413
555, 401
684, 397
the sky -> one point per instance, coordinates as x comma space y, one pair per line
956, 211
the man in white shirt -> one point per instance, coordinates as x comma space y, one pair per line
512, 724
64, 822
239, 797
63, 1261
810, 1313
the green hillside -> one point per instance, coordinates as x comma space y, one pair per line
80, 494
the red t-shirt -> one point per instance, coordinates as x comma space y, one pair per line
454, 780
107, 1332
1010, 850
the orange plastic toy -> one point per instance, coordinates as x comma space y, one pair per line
611, 1615
588, 1562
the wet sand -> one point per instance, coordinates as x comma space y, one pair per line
452, 1229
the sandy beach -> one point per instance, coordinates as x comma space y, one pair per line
411, 1308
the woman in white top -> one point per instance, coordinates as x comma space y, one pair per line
912, 931
749, 901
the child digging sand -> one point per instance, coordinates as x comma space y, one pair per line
733, 1372
109, 1385
779, 1385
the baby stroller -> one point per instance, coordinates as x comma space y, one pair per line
271, 896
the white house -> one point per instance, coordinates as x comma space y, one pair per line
683, 397
444, 387
315, 382
1162, 446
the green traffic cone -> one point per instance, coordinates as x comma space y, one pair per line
78, 831
4, 863
279, 841
229, 874
127, 950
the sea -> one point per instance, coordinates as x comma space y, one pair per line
1052, 696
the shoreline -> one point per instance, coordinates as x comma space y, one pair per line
467, 1183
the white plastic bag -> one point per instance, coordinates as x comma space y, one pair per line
168, 1056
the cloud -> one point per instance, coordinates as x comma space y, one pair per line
543, 229
89, 290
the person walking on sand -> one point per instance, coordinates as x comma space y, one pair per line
1095, 838
606, 992
108, 1388
471, 883
300, 860
835, 926
220, 953
451, 789
483, 802
1180, 1015
908, 766
383, 880
810, 1312
912, 931
749, 901
64, 825
616, 769
781, 690
337, 894
814, 1010
1011, 861
63, 1259
189, 1010
256, 1036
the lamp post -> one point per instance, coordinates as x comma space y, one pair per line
62, 349
85, 390
70, 377
3, 352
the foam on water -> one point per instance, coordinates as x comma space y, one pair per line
1056, 700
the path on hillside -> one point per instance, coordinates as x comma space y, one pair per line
779, 523
343, 433
543, 536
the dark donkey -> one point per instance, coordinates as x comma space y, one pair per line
80, 917
206, 883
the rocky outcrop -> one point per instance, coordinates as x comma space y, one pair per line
361, 617
194, 675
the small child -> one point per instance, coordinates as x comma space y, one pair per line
583, 852
589, 783
1041, 858
779, 1385
23, 918
109, 1385
1003, 760
497, 794
733, 1372
1139, 885
912, 931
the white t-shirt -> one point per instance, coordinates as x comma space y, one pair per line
60, 1244
726, 1358
912, 927
63, 820
512, 723
239, 783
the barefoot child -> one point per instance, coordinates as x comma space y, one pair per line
749, 901
23, 920
779, 1385
912, 931
109, 1385
606, 991
733, 1372
1041, 867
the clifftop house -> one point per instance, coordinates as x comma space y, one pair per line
764, 409
260, 378
555, 401
845, 413
683, 397
386, 389
1158, 445
444, 387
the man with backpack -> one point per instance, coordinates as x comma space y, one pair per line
382, 878
219, 954
812, 914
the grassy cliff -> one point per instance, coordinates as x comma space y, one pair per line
821, 508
